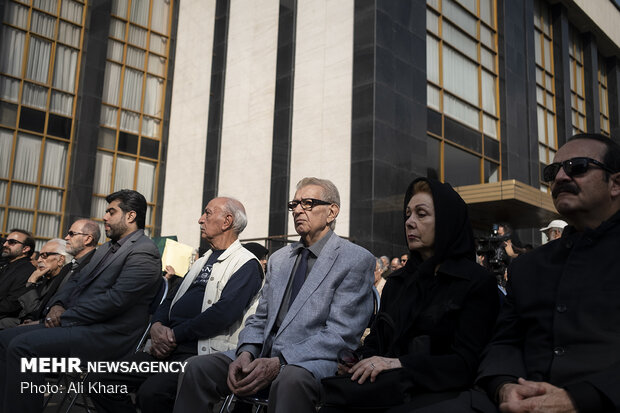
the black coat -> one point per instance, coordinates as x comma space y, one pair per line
437, 322
440, 343
12, 285
561, 319
34, 300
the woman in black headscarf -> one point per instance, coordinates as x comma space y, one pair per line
437, 312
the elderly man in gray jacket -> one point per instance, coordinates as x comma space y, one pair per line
317, 300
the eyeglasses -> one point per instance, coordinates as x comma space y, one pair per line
73, 234
306, 203
572, 167
12, 241
44, 255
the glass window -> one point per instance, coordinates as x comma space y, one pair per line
577, 81
462, 76
603, 96
42, 65
461, 167
38, 59
433, 156
545, 91
12, 51
134, 93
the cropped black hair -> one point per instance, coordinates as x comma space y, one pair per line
130, 200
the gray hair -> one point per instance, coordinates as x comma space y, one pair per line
330, 192
61, 248
236, 209
381, 265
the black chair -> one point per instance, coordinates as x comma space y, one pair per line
231, 401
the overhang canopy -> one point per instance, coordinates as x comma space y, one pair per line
509, 201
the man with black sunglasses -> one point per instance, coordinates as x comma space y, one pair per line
556, 343
17, 249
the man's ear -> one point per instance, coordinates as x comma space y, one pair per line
228, 221
334, 210
614, 185
130, 216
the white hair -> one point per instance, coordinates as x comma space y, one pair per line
61, 248
236, 209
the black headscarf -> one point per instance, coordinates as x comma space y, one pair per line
454, 237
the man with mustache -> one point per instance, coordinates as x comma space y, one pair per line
16, 249
555, 347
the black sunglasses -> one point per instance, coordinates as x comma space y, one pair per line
572, 167
12, 241
73, 234
306, 203
44, 255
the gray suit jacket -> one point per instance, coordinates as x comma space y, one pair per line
112, 309
330, 312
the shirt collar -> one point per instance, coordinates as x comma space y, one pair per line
317, 247
115, 245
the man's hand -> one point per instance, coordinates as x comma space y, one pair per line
53, 316
236, 370
37, 274
170, 272
27, 322
246, 377
535, 397
163, 341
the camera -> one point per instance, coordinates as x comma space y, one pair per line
494, 256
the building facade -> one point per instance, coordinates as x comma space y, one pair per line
184, 100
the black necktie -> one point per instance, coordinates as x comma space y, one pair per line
300, 274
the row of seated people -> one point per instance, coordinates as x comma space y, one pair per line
553, 347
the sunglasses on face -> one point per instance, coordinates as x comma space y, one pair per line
306, 203
73, 234
44, 255
572, 167
12, 241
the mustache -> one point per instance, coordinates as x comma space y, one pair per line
564, 187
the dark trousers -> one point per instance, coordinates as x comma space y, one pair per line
155, 392
27, 342
294, 390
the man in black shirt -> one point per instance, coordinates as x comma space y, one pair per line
17, 249
204, 315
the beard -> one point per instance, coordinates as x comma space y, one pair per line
116, 230
7, 253
74, 250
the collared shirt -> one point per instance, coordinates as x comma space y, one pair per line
315, 251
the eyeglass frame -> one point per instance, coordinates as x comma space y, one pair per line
13, 241
291, 205
563, 165
46, 255
72, 234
